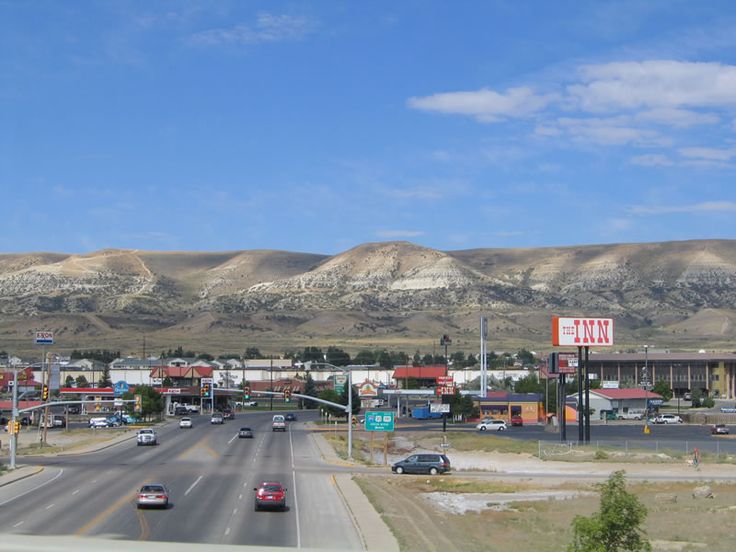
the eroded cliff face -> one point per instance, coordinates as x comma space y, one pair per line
658, 286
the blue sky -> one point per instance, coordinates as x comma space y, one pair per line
318, 126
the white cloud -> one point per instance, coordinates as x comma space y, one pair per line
652, 160
704, 207
267, 28
708, 154
681, 118
416, 193
487, 106
610, 132
655, 83
394, 234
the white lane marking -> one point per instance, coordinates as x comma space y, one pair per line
235, 511
94, 481
245, 484
296, 502
75, 492
18, 524
193, 484
232, 438
49, 506
227, 531
57, 476
240, 497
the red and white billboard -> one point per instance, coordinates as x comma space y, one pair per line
445, 385
591, 332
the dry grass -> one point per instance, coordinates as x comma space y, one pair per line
545, 525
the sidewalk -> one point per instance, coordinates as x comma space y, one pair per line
22, 472
374, 533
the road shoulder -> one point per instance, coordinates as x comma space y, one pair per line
373, 531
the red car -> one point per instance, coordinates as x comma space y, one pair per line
517, 421
271, 495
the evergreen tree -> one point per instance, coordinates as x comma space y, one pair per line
310, 389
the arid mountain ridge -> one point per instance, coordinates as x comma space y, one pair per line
678, 295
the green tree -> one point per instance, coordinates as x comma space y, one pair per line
252, 353
617, 526
462, 405
82, 381
663, 388
313, 354
310, 389
365, 357
384, 359
69, 381
167, 382
337, 356
105, 380
205, 356
152, 402
332, 396
356, 398
697, 397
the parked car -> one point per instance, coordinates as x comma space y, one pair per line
423, 463
291, 417
245, 433
668, 419
153, 494
95, 423
270, 494
631, 415
186, 423
146, 437
492, 425
217, 418
517, 420
688, 396
719, 429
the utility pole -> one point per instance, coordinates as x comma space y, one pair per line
13, 418
47, 383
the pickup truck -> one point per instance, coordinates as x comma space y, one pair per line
146, 437
279, 423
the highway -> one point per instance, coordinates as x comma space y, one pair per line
210, 473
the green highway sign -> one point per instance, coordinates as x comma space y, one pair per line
379, 421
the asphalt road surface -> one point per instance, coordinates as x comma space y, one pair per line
210, 473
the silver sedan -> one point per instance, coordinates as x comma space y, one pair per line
153, 494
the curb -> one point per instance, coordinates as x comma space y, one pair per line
103, 447
21, 478
353, 518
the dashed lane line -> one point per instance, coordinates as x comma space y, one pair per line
193, 485
34, 489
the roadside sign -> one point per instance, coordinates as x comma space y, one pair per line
445, 385
379, 421
121, 387
44, 338
439, 408
341, 381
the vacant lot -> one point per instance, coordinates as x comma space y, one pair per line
411, 508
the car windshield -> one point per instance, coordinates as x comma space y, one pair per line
244, 429
152, 489
271, 488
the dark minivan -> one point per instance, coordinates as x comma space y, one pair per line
423, 463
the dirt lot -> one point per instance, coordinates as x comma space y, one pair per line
528, 503
59, 440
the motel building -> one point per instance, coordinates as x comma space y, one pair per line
712, 373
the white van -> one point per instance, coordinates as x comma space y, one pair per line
631, 414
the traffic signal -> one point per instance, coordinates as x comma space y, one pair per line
45, 393
246, 393
287, 395
205, 391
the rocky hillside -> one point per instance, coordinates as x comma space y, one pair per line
679, 294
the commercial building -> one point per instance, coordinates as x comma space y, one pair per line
712, 373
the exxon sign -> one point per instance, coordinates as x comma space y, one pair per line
591, 332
